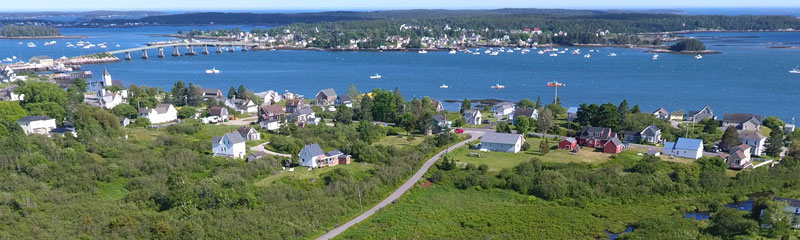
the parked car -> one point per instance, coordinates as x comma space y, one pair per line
460, 130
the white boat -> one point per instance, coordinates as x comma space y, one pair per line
19, 43
517, 49
452, 51
562, 52
476, 53
698, 56
587, 56
795, 70
655, 56
376, 76
498, 86
30, 44
554, 54
540, 52
212, 71
117, 45
422, 51
13, 57
7, 60
510, 51
444, 86
487, 51
612, 55
494, 53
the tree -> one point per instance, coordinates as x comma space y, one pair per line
242, 92
49, 109
39, 92
11, 111
774, 144
689, 44
353, 92
523, 124
194, 95
774, 123
545, 121
609, 116
538, 102
777, 218
623, 108
551, 185
636, 109
730, 138
465, 105
503, 127
81, 84
526, 103
728, 223
344, 115
710, 126
179, 93
187, 112
231, 93
544, 147
124, 110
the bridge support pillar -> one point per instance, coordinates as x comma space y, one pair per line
144, 54
128, 56
232, 49
161, 52
205, 49
176, 52
219, 49
244, 48
190, 51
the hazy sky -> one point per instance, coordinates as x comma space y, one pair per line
46, 5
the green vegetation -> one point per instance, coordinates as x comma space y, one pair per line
28, 31
689, 44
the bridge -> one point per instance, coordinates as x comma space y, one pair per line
189, 48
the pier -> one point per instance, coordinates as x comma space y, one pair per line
189, 48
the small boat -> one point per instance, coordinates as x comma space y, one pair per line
444, 86
117, 45
554, 54
587, 56
562, 52
422, 51
698, 56
612, 55
655, 56
212, 71
7, 60
376, 76
540, 52
498, 86
453, 51
517, 49
19, 43
30, 44
487, 51
795, 70
494, 53
476, 53
13, 57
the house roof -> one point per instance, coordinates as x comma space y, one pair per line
571, 140
439, 118
792, 202
706, 107
524, 112
333, 153
33, 118
615, 141
592, 130
662, 111
42, 57
504, 105
651, 130
233, 137
244, 130
144, 110
572, 110
292, 102
751, 135
217, 111
741, 118
684, 143
273, 109
471, 112
344, 98
502, 138
328, 92
162, 108
313, 149
211, 91
117, 83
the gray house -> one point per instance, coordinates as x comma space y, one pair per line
326, 97
742, 121
472, 116
502, 142
651, 134
697, 116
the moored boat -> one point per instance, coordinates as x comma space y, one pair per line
376, 76
212, 71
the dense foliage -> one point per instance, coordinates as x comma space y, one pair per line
28, 31
689, 44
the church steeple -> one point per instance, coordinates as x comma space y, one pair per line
106, 78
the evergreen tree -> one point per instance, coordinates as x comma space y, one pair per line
545, 121
179, 91
465, 105
538, 102
231, 93
636, 109
623, 108
194, 95
730, 139
544, 148
526, 103
353, 92
242, 92
774, 144
609, 117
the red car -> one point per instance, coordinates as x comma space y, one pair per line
459, 131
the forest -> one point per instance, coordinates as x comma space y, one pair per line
12, 30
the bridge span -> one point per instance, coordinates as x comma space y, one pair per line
219, 45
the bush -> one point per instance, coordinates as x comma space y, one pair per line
185, 128
690, 44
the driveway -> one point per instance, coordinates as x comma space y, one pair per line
403, 188
240, 122
260, 148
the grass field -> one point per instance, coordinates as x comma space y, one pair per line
114, 190
400, 140
302, 173
441, 212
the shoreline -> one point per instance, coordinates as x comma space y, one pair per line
48, 37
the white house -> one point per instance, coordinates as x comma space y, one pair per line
229, 145
684, 147
220, 112
161, 114
249, 133
305, 115
270, 97
312, 156
37, 124
42, 61
502, 142
503, 109
271, 116
473, 116
755, 139
242, 105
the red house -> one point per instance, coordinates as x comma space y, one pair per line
595, 137
568, 144
613, 146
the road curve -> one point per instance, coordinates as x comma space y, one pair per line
403, 188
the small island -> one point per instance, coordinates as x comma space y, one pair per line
31, 32
687, 46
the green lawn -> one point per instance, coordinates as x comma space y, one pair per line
114, 190
400, 140
302, 173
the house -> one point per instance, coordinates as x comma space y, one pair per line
344, 100
269, 97
502, 142
288, 95
304, 115
789, 128
697, 116
123, 121
651, 134
503, 109
229, 145
242, 105
677, 115
270, 116
8, 75
568, 143
742, 121
739, 157
661, 113
755, 139
37, 124
312, 156
595, 137
524, 112
572, 113
684, 147
440, 124
220, 112
63, 131
107, 101
213, 93
42, 61
255, 155
249, 133
294, 104
437, 105
8, 94
161, 114
793, 206
472, 116
326, 97
613, 146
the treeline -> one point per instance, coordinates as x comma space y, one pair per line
28, 31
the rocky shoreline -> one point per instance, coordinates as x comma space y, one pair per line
48, 37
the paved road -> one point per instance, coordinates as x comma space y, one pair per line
240, 122
260, 148
403, 188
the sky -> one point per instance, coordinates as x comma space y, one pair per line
64, 5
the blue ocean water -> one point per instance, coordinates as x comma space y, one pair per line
748, 76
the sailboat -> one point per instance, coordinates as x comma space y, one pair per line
376, 76
212, 71
795, 70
